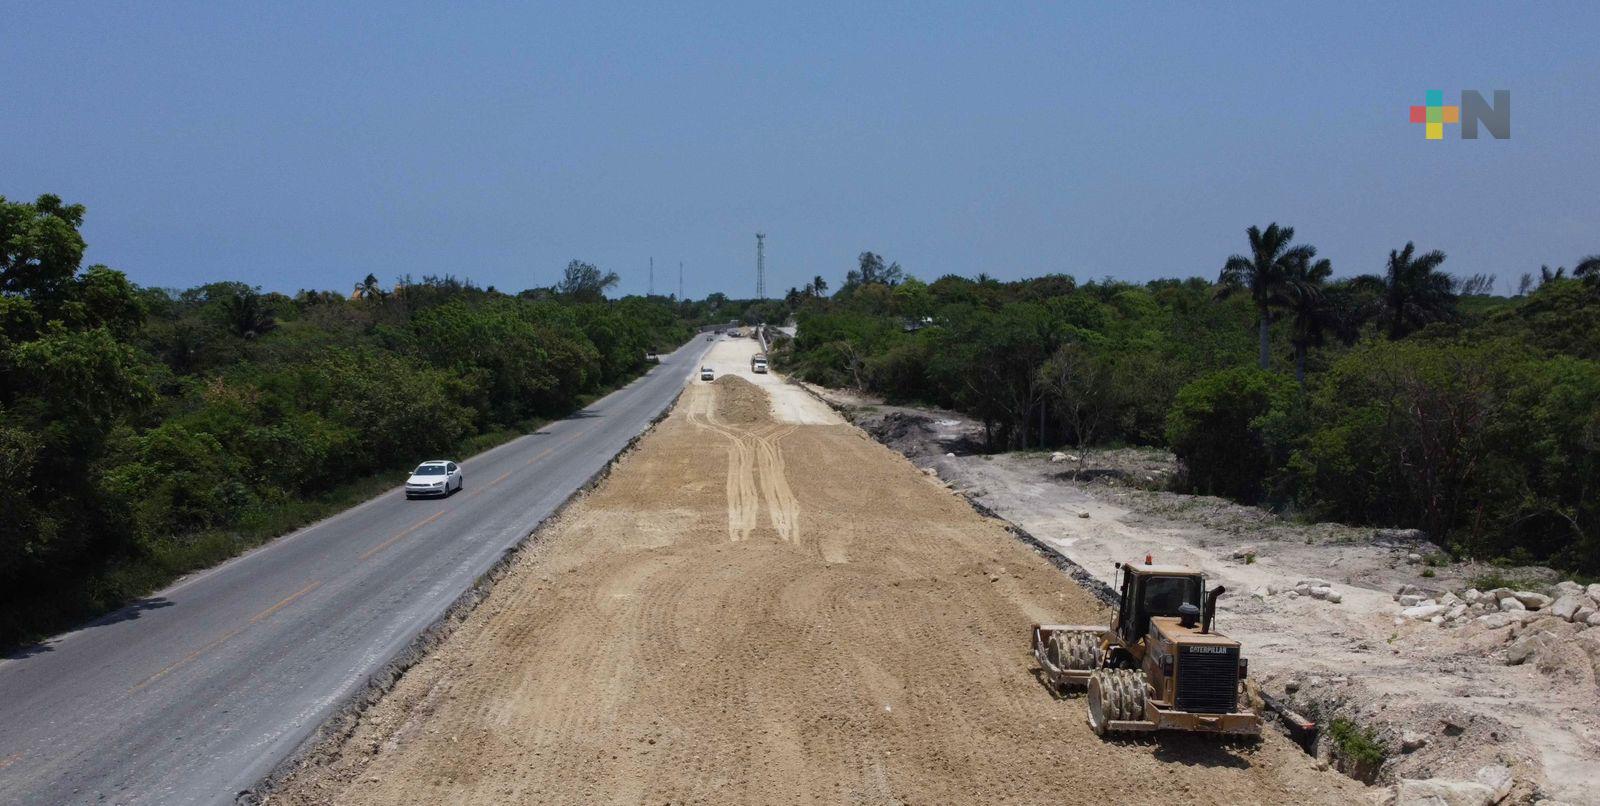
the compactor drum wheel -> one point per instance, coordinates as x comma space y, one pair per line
1115, 695
1074, 650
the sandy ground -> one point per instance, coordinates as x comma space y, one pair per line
1349, 659
762, 610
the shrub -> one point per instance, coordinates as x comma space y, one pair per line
1216, 428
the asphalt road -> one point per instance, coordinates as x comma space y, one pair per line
195, 693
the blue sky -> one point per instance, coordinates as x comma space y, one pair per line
305, 145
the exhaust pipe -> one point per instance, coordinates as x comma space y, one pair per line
1211, 609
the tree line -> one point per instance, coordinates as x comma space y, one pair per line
1406, 398
146, 432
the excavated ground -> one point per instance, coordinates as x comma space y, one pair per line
757, 611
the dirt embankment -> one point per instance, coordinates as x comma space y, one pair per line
739, 402
759, 611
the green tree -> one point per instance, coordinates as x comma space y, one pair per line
1218, 428
584, 282
248, 316
40, 248
1412, 292
1268, 273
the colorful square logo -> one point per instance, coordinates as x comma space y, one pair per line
1433, 114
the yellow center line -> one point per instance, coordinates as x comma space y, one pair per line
546, 452
412, 528
285, 602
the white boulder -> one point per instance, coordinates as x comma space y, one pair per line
1583, 614
1495, 621
1497, 777
1594, 620
1531, 600
1335, 597
1246, 553
1511, 603
1523, 649
1321, 592
1594, 592
1058, 456
1567, 605
1472, 595
1423, 612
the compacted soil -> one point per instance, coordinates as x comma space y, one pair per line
770, 608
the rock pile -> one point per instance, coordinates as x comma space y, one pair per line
1548, 631
1314, 588
1499, 607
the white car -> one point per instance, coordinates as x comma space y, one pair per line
437, 477
706, 374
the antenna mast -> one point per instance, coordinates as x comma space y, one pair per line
651, 290
761, 266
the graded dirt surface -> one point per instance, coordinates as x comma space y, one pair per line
770, 612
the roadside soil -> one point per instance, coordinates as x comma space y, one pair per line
1447, 687
766, 610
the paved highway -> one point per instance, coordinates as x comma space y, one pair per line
195, 693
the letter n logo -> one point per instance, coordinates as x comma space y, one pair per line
1496, 118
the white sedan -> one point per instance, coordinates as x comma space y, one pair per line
438, 477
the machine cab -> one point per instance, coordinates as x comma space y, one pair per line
1154, 590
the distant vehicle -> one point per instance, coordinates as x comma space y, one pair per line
439, 477
652, 358
758, 363
734, 333
706, 374
710, 337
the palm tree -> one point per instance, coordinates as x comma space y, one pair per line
247, 317
1413, 292
1319, 310
1268, 274
1311, 316
1588, 270
818, 285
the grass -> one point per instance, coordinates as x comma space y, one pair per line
1358, 746
1428, 572
1489, 580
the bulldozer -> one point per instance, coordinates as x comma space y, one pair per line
1160, 665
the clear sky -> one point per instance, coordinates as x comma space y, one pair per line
296, 145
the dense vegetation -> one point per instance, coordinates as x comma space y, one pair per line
1409, 399
147, 432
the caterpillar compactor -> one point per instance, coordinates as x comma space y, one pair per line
1160, 666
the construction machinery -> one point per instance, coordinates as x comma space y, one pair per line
1160, 665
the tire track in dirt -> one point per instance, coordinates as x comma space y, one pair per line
637, 652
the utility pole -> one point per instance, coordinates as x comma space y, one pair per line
680, 281
761, 266
651, 289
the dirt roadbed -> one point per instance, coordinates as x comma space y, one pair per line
757, 610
